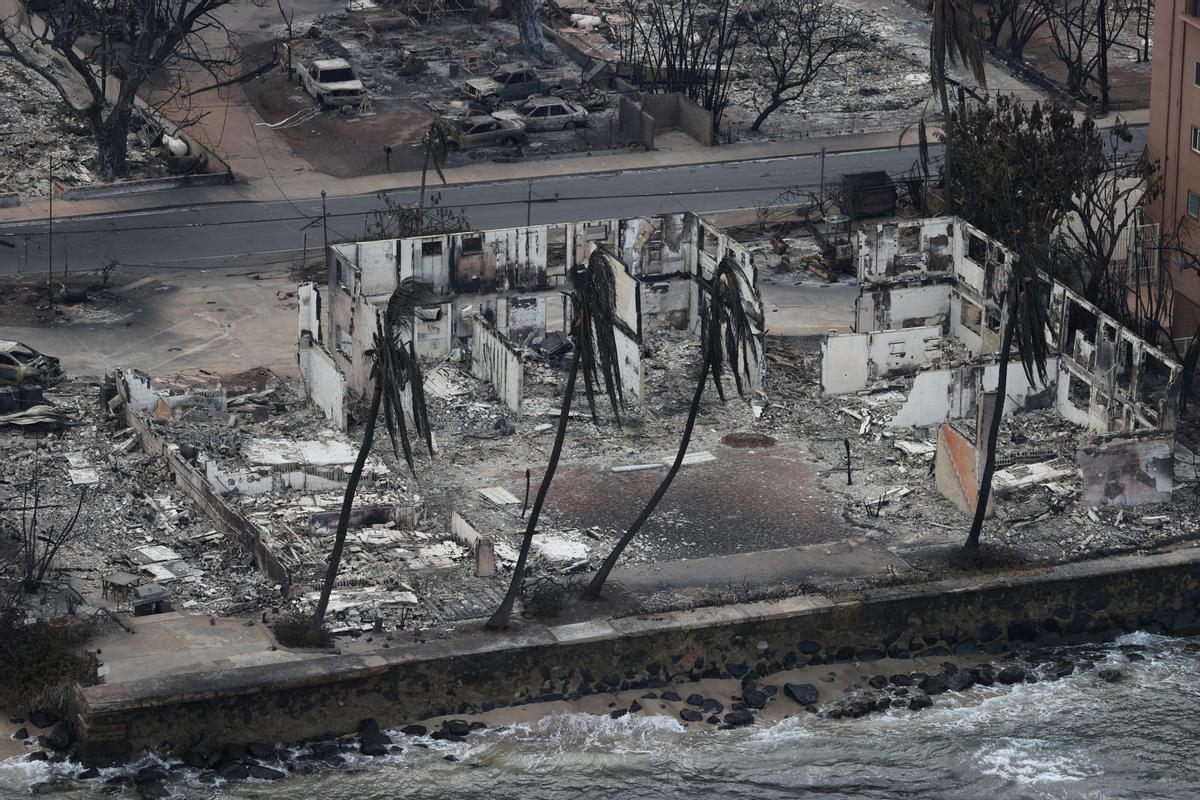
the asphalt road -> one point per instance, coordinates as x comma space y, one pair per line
228, 234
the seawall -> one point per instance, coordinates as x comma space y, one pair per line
1085, 601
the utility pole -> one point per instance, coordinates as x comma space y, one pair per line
1103, 47
325, 223
821, 196
50, 235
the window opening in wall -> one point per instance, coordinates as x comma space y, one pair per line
993, 321
976, 249
908, 238
709, 243
1125, 365
1193, 205
1081, 334
556, 248
431, 249
1154, 380
472, 245
1078, 392
971, 317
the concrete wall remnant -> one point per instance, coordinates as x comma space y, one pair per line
849, 362
1128, 470
956, 468
1110, 379
323, 383
521, 319
495, 360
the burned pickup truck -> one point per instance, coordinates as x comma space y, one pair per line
331, 81
516, 82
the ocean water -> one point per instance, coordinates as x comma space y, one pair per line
1078, 737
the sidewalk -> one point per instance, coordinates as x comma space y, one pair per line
310, 186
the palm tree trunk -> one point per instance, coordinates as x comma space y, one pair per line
593, 590
947, 161
339, 541
989, 461
499, 620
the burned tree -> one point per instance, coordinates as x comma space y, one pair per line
1082, 35
730, 324
83, 48
395, 371
1021, 19
1018, 168
40, 529
794, 42
1101, 230
593, 311
684, 46
528, 16
952, 40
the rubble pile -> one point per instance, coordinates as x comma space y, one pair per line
1036, 491
38, 135
133, 518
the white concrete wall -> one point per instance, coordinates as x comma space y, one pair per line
945, 394
323, 383
663, 301
432, 336
844, 363
377, 266
892, 308
308, 304
494, 361
850, 361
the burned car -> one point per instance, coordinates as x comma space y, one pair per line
481, 131
20, 363
552, 114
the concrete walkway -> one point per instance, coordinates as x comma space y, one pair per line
310, 186
306, 187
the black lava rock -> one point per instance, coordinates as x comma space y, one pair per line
690, 715
414, 730
695, 699
754, 699
739, 718
260, 773
456, 727
672, 696
803, 693
712, 705
42, 719
1010, 675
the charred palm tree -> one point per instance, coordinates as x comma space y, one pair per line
593, 306
728, 326
952, 39
1025, 327
394, 369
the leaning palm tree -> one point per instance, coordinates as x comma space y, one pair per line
394, 369
1024, 314
952, 39
593, 307
729, 325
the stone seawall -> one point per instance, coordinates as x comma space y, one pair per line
1088, 601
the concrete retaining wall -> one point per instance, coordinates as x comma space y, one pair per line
634, 125
122, 188
1088, 601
